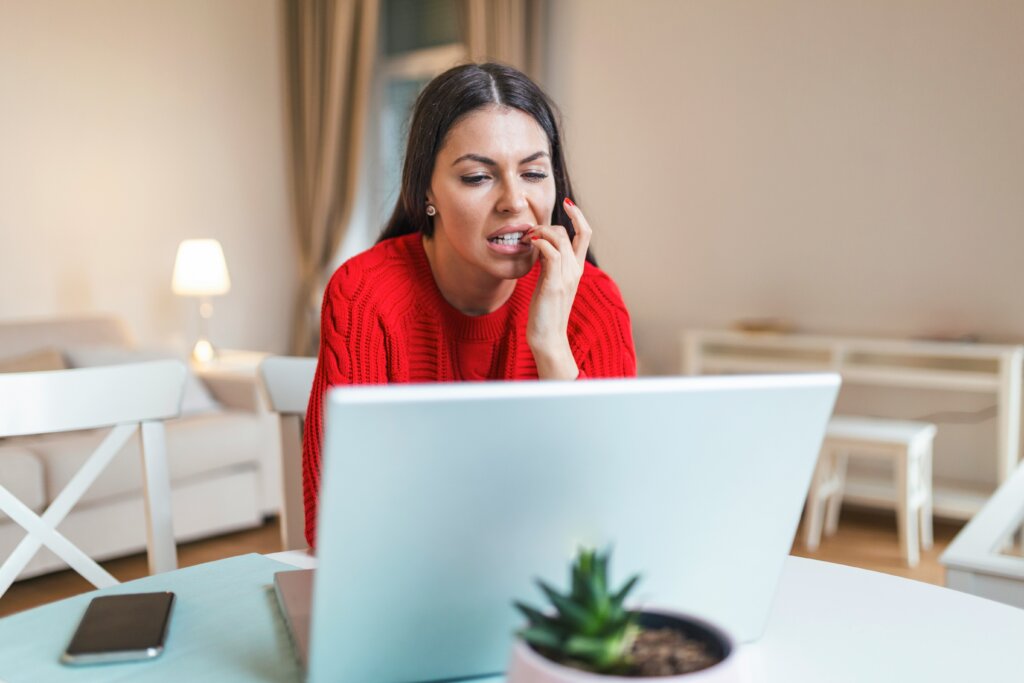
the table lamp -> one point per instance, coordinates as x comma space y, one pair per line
200, 270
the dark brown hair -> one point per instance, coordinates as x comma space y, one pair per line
443, 103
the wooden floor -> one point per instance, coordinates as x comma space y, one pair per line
865, 539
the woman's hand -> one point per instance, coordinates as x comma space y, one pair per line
561, 266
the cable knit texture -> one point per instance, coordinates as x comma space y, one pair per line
384, 320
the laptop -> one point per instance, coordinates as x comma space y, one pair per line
440, 504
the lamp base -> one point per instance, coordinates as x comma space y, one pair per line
203, 351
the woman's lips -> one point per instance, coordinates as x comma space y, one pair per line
511, 241
511, 228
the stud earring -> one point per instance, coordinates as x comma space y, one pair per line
431, 210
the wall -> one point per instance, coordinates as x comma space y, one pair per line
854, 167
126, 127
851, 166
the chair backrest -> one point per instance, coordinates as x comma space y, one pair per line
986, 557
129, 398
287, 381
87, 398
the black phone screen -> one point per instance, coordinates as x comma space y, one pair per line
131, 624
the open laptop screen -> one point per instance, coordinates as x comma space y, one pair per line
441, 503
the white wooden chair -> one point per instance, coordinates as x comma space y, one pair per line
908, 444
288, 381
987, 557
132, 398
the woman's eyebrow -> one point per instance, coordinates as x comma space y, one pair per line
491, 162
534, 157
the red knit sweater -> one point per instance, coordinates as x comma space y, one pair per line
384, 320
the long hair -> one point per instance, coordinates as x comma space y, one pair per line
443, 103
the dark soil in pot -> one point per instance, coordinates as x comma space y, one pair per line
669, 646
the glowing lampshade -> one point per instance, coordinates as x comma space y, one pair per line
200, 269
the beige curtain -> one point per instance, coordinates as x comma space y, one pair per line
330, 51
507, 31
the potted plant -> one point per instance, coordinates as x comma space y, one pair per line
590, 636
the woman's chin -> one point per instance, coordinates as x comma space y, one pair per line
513, 269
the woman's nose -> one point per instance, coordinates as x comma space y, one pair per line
512, 199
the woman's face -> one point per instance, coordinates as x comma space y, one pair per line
492, 182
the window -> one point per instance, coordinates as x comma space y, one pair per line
418, 40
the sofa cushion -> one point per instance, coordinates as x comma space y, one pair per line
196, 398
40, 360
23, 336
21, 473
196, 445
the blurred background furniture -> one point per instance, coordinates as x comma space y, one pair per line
908, 444
987, 557
991, 369
288, 381
132, 400
222, 452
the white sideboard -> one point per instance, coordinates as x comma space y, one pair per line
994, 369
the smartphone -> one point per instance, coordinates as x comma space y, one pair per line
121, 628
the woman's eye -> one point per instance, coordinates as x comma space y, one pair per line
535, 176
474, 179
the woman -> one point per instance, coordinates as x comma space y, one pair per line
483, 271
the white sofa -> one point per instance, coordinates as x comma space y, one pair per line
223, 452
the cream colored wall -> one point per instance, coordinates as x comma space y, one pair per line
125, 127
852, 166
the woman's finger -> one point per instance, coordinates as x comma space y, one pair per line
583, 232
542, 241
555, 235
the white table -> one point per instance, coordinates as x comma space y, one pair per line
829, 624
232, 376
837, 624
233, 363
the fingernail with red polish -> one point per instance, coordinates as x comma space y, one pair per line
569, 202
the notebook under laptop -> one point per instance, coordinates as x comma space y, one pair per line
441, 503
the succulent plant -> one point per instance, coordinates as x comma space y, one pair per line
589, 626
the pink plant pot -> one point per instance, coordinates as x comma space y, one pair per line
529, 666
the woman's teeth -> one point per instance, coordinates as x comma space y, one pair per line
508, 238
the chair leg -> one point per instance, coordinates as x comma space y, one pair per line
64, 502
835, 499
293, 517
163, 553
905, 519
925, 482
24, 517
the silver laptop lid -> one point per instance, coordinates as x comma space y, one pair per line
440, 504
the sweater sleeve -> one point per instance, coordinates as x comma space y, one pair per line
603, 337
351, 352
